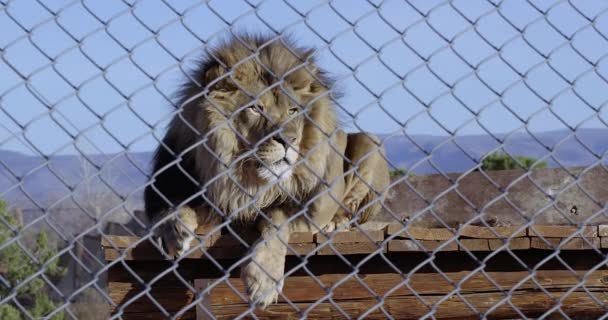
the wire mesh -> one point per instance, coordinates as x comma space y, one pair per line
451, 90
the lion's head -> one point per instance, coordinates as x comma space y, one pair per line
256, 123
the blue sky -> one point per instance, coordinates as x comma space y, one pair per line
406, 67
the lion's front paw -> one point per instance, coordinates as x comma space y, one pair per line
263, 277
340, 222
176, 236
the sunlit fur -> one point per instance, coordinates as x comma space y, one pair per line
222, 146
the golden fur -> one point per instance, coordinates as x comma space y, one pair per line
258, 133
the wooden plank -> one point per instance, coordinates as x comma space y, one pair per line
172, 299
150, 253
351, 248
300, 248
128, 241
353, 236
484, 232
118, 241
602, 230
561, 231
474, 244
419, 233
188, 315
604, 242
203, 308
572, 244
530, 304
514, 243
407, 245
349, 286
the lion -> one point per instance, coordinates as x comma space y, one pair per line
256, 139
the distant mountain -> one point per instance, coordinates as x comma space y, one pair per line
33, 181
426, 154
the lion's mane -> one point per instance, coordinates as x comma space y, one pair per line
197, 162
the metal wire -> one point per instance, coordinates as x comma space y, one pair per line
71, 70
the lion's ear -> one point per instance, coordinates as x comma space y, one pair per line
303, 80
311, 65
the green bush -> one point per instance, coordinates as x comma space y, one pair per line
397, 172
501, 161
16, 266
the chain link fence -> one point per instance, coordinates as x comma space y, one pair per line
476, 114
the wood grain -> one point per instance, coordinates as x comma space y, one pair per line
474, 244
353, 236
572, 244
491, 233
350, 248
561, 231
419, 233
406, 245
530, 304
514, 244
602, 230
345, 286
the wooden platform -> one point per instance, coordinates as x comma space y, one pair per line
393, 238
406, 272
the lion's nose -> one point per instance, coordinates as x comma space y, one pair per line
285, 140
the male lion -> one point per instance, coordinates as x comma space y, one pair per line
256, 140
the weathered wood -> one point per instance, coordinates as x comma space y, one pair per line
514, 243
190, 269
171, 299
572, 244
129, 241
484, 232
406, 245
561, 231
353, 236
203, 308
604, 242
350, 248
602, 230
347, 286
531, 304
147, 252
419, 232
225, 302
474, 244
119, 241
300, 248
188, 315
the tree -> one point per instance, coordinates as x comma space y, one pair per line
16, 267
501, 161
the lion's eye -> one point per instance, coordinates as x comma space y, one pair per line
293, 111
256, 109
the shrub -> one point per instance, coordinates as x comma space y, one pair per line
501, 161
397, 172
16, 266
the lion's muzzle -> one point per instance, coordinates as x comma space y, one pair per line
277, 160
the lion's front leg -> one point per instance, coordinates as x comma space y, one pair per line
263, 272
177, 234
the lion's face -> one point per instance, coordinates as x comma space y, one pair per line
270, 131
268, 99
